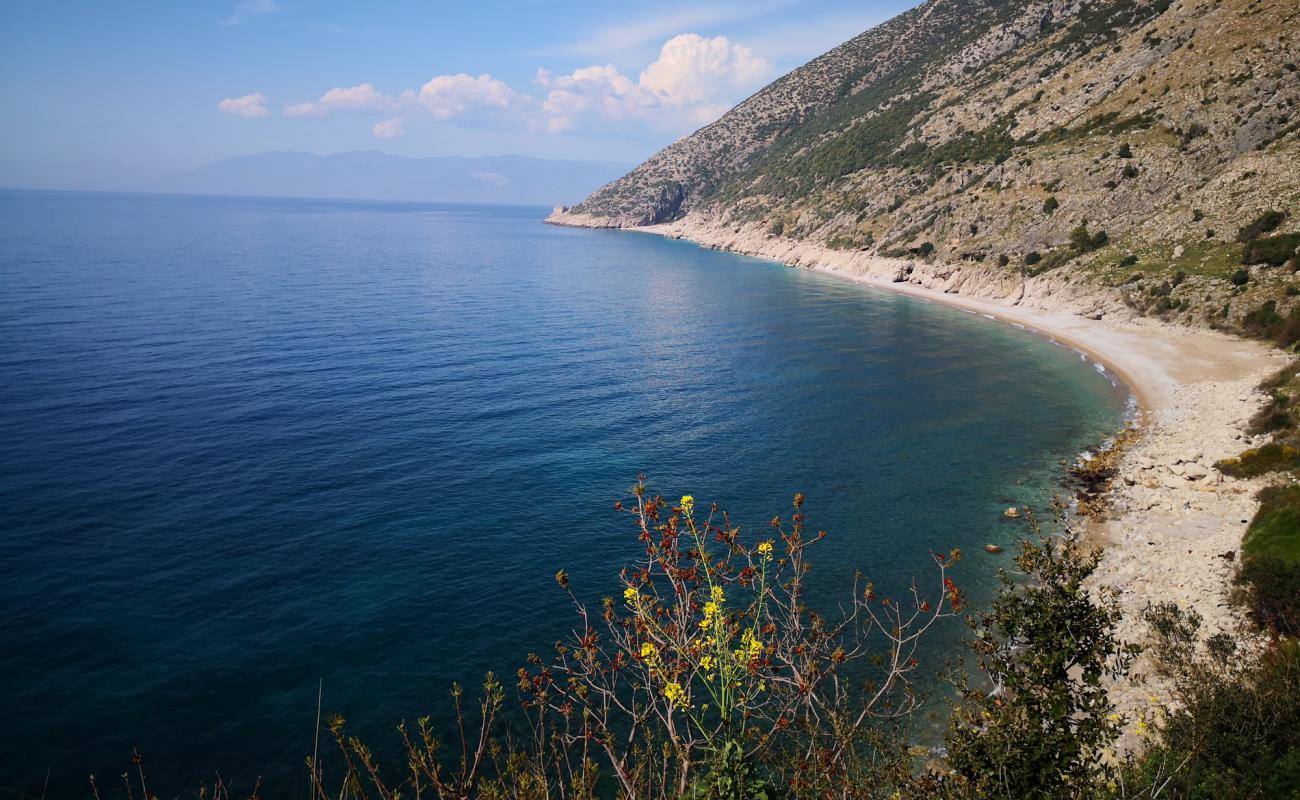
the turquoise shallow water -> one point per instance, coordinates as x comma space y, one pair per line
246, 445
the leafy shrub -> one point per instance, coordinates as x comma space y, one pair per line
1240, 278
1234, 732
1271, 457
1264, 322
1003, 259
1192, 132
1124, 151
1272, 250
1128, 260
1270, 588
1046, 650
1050, 204
1264, 223
1082, 241
1032, 258
1130, 171
777, 227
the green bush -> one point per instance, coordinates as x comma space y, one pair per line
1128, 260
1083, 242
1050, 204
1240, 278
1272, 250
1270, 588
1264, 322
1264, 223
1047, 650
777, 227
1003, 260
1124, 151
1270, 571
1275, 530
1234, 732
1032, 258
1272, 457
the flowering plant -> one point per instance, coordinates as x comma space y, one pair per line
711, 663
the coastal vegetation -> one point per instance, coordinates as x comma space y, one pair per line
1269, 577
708, 675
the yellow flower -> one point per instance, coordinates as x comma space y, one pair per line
648, 651
765, 549
750, 647
706, 663
688, 503
630, 595
674, 693
716, 592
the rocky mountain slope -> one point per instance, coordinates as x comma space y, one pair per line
1149, 148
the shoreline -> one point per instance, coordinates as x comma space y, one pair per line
1171, 519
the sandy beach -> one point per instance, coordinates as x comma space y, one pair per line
1174, 523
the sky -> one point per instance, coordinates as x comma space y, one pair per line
122, 95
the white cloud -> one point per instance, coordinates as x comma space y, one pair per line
694, 81
389, 128
356, 98
250, 105
448, 96
247, 9
616, 40
692, 70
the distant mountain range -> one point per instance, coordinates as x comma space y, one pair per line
371, 175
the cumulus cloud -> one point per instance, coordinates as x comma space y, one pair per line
389, 128
694, 71
356, 98
448, 96
693, 81
250, 105
247, 9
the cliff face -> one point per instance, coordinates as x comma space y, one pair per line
1124, 142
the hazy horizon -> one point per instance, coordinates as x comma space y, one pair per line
126, 99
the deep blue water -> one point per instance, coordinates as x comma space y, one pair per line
246, 445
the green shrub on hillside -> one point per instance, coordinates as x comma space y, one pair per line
1050, 204
1272, 250
1234, 732
1271, 457
1047, 650
1083, 242
1264, 223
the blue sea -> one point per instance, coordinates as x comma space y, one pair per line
249, 447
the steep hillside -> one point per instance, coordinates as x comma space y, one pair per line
1148, 146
